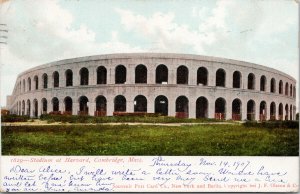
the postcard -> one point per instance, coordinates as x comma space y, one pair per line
149, 96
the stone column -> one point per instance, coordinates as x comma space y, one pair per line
111, 75
228, 110
150, 105
268, 85
129, 105
192, 109
211, 77
172, 76
244, 110
92, 76
41, 82
228, 81
31, 113
92, 108
62, 79
211, 110
76, 77
50, 80
267, 111
257, 111
49, 105
75, 108
171, 107
244, 81
39, 108
130, 74
151, 76
192, 76
257, 83
61, 106
110, 106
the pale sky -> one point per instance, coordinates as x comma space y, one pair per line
262, 32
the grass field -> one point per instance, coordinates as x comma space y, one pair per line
223, 140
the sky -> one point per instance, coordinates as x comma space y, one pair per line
262, 32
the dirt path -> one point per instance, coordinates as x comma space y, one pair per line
44, 123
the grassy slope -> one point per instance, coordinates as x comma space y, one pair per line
230, 140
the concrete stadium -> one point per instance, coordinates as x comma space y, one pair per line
180, 85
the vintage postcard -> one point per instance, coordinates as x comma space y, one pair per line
149, 96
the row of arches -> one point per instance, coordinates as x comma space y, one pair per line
161, 106
162, 77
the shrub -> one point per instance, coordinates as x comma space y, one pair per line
14, 118
273, 124
128, 117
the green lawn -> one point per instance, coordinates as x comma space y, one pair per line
223, 140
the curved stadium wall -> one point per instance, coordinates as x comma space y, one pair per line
180, 85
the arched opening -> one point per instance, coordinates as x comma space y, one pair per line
236, 83
120, 104
35, 108
36, 82
286, 112
68, 105
251, 110
291, 112
202, 75
55, 79
263, 111
141, 74
161, 105
182, 75
140, 104
251, 81
220, 78
120, 76
280, 111
286, 89
84, 76
55, 105
29, 84
83, 106
280, 87
69, 77
101, 75
202, 107
291, 90
44, 106
272, 111
273, 86
182, 107
236, 109
220, 109
28, 108
263, 82
45, 80
23, 107
100, 106
161, 74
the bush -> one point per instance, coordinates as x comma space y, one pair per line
14, 118
273, 124
144, 118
